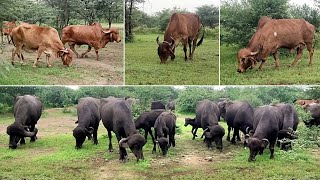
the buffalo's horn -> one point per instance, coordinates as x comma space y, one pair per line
254, 53
123, 143
204, 131
30, 134
158, 40
247, 130
265, 142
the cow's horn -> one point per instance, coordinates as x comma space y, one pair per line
254, 53
64, 50
107, 32
158, 40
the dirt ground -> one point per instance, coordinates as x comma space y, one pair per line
107, 71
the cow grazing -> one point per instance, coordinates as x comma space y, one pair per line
7, 27
27, 112
305, 102
272, 34
146, 121
88, 111
207, 115
92, 35
117, 117
165, 126
43, 40
238, 115
184, 28
267, 122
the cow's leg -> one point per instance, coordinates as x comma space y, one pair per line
47, 60
194, 45
311, 51
17, 51
185, 51
228, 136
88, 50
110, 144
72, 45
40, 50
97, 53
276, 58
262, 64
299, 54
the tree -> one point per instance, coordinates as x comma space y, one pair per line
110, 9
209, 15
306, 12
130, 5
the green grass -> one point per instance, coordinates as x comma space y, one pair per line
143, 64
54, 157
301, 74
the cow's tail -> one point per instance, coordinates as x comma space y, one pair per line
201, 40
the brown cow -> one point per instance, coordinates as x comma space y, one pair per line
43, 39
185, 28
7, 27
93, 35
275, 34
305, 102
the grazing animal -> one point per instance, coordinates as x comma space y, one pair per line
157, 105
184, 28
238, 115
207, 115
117, 117
305, 102
146, 121
267, 122
273, 34
314, 109
195, 125
165, 126
7, 27
171, 106
27, 112
92, 35
43, 40
88, 111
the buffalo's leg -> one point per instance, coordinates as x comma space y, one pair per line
152, 137
276, 58
235, 133
95, 135
72, 45
228, 136
22, 141
88, 50
173, 141
195, 133
123, 152
311, 51
271, 147
146, 133
299, 54
154, 143
33, 138
238, 135
110, 144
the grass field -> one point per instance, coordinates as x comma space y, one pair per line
53, 156
301, 74
84, 71
143, 64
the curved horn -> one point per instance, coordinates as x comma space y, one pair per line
265, 142
158, 40
254, 53
64, 50
123, 143
30, 134
107, 32
247, 130
172, 42
204, 131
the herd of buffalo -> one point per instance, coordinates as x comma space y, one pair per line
262, 126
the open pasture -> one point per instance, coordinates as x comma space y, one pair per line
143, 64
53, 156
84, 71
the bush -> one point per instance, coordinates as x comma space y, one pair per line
212, 33
5, 108
146, 30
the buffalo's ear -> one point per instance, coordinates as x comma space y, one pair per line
265, 143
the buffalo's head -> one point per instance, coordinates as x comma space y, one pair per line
135, 142
16, 132
214, 133
165, 49
246, 59
287, 133
67, 56
188, 121
80, 134
256, 146
164, 144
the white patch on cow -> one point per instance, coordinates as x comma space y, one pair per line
275, 34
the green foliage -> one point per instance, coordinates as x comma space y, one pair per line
310, 14
5, 108
308, 137
144, 29
209, 15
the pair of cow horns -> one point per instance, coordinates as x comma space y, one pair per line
64, 50
170, 44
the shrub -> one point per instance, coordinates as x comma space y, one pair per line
5, 108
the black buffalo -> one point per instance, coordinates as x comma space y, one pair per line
314, 109
27, 112
88, 111
267, 122
157, 105
238, 115
208, 114
116, 116
195, 125
171, 106
165, 126
146, 121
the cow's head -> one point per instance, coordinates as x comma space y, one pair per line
165, 49
80, 134
16, 132
246, 59
67, 56
256, 146
214, 133
164, 144
112, 35
135, 142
